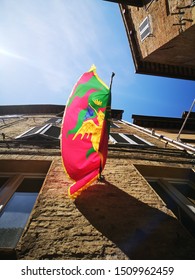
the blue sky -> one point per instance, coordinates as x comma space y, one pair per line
46, 45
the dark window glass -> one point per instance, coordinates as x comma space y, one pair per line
172, 204
186, 190
15, 214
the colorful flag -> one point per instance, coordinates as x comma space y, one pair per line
85, 131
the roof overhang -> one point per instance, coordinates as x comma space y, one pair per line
136, 3
163, 122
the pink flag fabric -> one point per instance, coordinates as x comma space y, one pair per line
85, 131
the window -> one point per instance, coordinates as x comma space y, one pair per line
21, 182
46, 131
176, 186
15, 213
145, 28
128, 139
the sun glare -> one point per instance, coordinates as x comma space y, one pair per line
10, 54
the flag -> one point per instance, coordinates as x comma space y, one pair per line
85, 131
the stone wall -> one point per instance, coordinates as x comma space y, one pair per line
120, 217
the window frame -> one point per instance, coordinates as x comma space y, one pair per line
11, 185
16, 171
180, 205
177, 196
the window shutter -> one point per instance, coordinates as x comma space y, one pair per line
145, 28
47, 131
52, 131
130, 139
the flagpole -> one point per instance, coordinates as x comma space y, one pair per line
111, 80
112, 76
101, 178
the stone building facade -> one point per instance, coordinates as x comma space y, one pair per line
161, 35
124, 216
